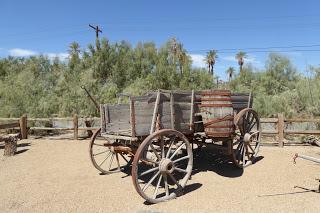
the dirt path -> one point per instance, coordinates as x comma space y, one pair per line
57, 176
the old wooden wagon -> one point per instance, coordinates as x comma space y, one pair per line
156, 134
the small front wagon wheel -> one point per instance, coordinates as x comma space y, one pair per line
104, 158
162, 165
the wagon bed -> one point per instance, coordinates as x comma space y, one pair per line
157, 133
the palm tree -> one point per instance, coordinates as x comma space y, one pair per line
230, 71
240, 57
178, 54
211, 60
74, 49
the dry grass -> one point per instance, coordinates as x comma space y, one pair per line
57, 176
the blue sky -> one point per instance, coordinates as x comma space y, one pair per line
48, 27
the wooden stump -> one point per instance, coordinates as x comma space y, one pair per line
88, 124
10, 144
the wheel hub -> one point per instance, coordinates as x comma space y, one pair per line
166, 166
247, 138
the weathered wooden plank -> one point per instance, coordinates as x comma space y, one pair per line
155, 112
8, 126
268, 120
239, 98
192, 111
54, 128
301, 120
172, 111
313, 132
280, 129
103, 118
110, 136
132, 118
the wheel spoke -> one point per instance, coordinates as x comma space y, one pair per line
180, 170
165, 178
117, 158
149, 171
243, 155
251, 147
150, 181
239, 154
157, 188
250, 120
155, 152
162, 147
169, 150
98, 144
177, 150
253, 124
101, 153
105, 159
180, 159
174, 180
111, 161
124, 158
247, 151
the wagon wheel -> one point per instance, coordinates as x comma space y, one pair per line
104, 158
246, 143
162, 165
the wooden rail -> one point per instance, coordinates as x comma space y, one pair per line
24, 121
281, 131
20, 123
280, 123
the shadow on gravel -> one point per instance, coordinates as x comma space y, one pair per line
216, 162
21, 151
187, 189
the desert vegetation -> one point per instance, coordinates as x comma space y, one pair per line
42, 87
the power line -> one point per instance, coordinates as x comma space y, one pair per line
263, 49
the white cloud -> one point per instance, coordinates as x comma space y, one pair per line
198, 60
249, 59
18, 52
229, 58
61, 56
22, 52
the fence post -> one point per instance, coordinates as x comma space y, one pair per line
280, 129
75, 126
23, 126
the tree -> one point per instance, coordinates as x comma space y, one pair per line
240, 56
211, 60
178, 54
230, 72
74, 52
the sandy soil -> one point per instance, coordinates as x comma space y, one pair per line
57, 176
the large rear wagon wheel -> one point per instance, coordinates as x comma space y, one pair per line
246, 143
162, 166
104, 158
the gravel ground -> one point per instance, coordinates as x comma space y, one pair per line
57, 176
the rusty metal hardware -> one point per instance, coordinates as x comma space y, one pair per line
316, 160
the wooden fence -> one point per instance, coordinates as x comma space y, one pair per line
20, 123
279, 132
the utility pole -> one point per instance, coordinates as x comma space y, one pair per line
97, 29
